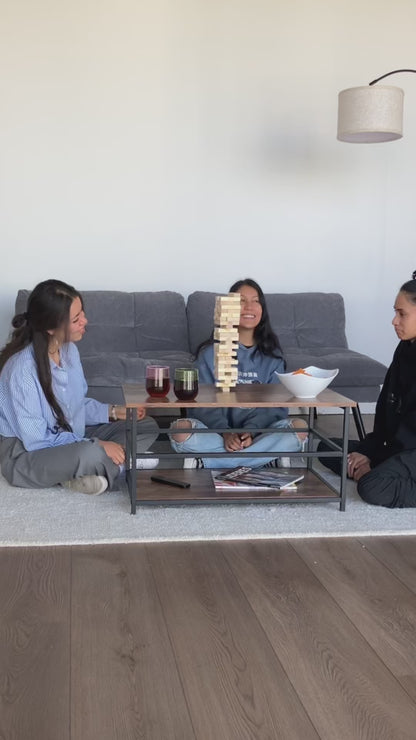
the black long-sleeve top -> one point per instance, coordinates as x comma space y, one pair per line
395, 419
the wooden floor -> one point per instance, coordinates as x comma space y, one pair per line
293, 639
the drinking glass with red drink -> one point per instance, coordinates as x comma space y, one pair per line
186, 383
157, 380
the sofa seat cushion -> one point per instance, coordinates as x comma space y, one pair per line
113, 368
355, 369
162, 357
116, 368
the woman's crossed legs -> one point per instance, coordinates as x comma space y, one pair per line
273, 443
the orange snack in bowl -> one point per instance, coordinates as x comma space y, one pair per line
301, 371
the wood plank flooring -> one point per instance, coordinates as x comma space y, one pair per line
283, 639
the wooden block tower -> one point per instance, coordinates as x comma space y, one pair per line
226, 321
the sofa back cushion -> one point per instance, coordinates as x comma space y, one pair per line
21, 301
110, 322
129, 323
308, 320
160, 321
300, 320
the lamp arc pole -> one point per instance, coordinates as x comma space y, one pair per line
394, 72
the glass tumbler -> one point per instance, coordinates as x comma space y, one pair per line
157, 380
186, 383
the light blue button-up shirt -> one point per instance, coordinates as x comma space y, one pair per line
26, 414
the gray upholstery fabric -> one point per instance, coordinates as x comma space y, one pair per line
110, 326
21, 301
112, 368
127, 331
311, 330
160, 322
299, 319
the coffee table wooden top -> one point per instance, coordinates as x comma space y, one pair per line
254, 395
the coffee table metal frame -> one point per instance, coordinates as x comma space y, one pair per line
249, 396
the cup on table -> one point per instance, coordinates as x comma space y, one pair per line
186, 383
157, 380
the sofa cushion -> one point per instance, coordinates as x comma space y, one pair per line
173, 359
200, 315
110, 315
311, 330
308, 319
21, 301
113, 368
116, 368
130, 322
299, 319
355, 369
160, 321
127, 331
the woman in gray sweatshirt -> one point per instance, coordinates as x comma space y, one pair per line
260, 358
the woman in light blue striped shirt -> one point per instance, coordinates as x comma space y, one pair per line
50, 432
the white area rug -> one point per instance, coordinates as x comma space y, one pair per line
59, 517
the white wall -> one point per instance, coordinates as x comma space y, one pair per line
182, 144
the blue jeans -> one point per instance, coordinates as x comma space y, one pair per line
197, 444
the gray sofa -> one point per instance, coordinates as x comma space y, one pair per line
127, 331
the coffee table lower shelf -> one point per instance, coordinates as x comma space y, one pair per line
202, 491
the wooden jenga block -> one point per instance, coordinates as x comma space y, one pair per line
226, 374
225, 333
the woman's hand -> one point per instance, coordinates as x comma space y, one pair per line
357, 465
120, 412
114, 451
246, 439
234, 442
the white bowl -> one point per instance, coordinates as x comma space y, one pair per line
308, 386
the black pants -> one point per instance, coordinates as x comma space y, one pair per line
391, 484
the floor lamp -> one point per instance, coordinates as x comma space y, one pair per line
372, 113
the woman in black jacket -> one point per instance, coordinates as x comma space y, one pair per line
384, 463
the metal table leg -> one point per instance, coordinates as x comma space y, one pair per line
343, 484
358, 422
131, 472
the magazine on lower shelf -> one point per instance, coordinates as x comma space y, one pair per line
247, 478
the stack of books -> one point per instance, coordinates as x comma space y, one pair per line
260, 479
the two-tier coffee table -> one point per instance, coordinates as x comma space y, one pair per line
314, 488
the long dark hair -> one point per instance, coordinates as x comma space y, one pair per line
410, 288
267, 342
48, 307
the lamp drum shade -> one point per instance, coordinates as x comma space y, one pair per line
370, 114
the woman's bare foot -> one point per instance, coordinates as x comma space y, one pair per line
300, 424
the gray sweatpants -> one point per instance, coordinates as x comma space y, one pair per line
52, 465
